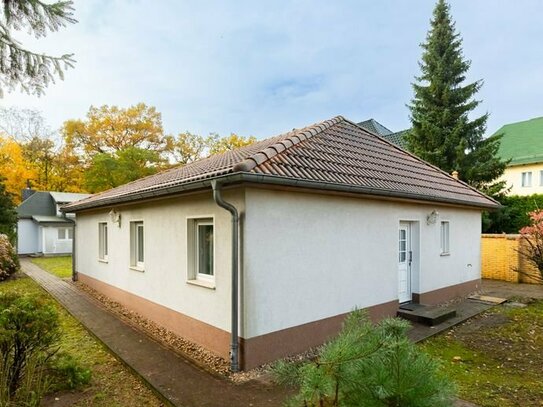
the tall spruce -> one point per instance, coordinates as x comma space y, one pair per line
442, 132
20, 67
8, 215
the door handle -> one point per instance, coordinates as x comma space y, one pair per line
410, 257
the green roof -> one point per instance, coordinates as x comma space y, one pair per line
522, 142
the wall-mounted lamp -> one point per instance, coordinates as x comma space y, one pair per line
115, 217
431, 218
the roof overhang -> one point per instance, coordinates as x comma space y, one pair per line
263, 179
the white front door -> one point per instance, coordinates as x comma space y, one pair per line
404, 262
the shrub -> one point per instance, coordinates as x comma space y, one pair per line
368, 366
513, 215
68, 372
532, 247
29, 330
9, 262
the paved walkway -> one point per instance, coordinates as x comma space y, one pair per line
468, 308
503, 289
175, 378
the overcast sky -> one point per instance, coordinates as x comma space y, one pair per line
263, 67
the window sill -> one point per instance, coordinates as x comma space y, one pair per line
202, 283
103, 260
135, 268
445, 254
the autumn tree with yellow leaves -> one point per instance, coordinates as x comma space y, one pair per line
14, 168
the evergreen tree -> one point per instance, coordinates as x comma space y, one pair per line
8, 215
19, 66
442, 132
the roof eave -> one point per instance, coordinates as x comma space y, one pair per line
239, 177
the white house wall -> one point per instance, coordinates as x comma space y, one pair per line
308, 257
164, 279
52, 244
27, 237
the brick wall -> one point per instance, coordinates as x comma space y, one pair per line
500, 258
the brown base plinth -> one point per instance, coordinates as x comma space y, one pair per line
447, 293
214, 339
290, 341
254, 351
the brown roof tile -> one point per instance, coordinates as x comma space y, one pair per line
336, 152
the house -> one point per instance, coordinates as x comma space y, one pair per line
261, 252
41, 227
375, 127
522, 143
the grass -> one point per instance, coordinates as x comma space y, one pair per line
60, 266
496, 359
111, 383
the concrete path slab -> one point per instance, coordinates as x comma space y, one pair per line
464, 310
176, 379
507, 290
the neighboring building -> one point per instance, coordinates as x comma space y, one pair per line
522, 143
41, 227
397, 138
331, 218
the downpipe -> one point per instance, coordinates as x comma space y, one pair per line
234, 343
74, 273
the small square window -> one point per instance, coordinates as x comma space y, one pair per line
527, 179
61, 233
137, 245
201, 255
70, 233
541, 178
445, 249
102, 241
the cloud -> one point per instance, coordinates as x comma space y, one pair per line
260, 68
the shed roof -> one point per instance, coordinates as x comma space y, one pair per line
67, 197
522, 142
51, 219
335, 154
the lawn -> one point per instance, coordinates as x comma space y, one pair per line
111, 384
60, 266
496, 359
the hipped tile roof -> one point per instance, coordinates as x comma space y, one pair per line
335, 154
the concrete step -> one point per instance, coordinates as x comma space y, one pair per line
426, 314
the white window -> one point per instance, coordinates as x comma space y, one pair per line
527, 179
102, 241
137, 248
201, 244
65, 233
541, 178
445, 237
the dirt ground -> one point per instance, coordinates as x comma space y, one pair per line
496, 358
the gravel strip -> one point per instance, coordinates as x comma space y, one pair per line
202, 357
199, 355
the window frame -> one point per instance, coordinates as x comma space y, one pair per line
445, 237
135, 262
541, 178
103, 249
193, 270
526, 179
64, 233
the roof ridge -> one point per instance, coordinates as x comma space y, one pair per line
291, 139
